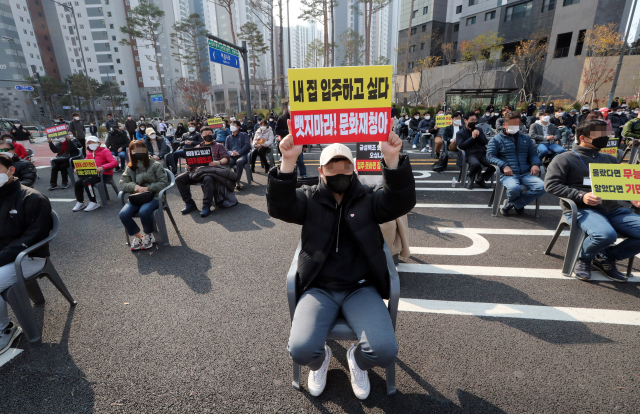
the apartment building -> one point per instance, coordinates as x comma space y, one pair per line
561, 22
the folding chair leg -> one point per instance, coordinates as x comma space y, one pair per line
391, 378
101, 192
54, 277
72, 177
493, 196
538, 207
126, 236
630, 266
175, 226
296, 376
17, 297
34, 292
162, 227
247, 170
576, 240
559, 229
498, 198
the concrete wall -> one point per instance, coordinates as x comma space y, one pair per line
628, 82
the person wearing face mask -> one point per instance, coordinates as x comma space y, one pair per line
631, 130
189, 139
61, 121
492, 120
618, 120
141, 133
500, 121
474, 142
450, 132
615, 103
180, 130
65, 148
143, 178
93, 130
517, 156
544, 133
222, 132
601, 220
413, 129
531, 109
217, 183
158, 148
76, 128
171, 132
585, 106
605, 116
141, 121
341, 267
262, 142
424, 127
130, 125
110, 123
272, 125
25, 219
105, 163
490, 109
238, 145
19, 149
583, 115
25, 171
485, 118
117, 142
21, 135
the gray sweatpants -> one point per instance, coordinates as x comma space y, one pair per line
364, 311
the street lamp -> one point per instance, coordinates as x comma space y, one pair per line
69, 9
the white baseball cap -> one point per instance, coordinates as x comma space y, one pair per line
91, 138
335, 151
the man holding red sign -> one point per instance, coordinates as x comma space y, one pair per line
342, 267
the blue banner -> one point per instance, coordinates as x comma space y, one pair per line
218, 56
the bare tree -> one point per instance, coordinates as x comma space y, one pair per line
145, 22
352, 43
317, 11
529, 61
194, 94
314, 57
424, 69
263, 10
371, 7
184, 38
255, 41
449, 52
479, 51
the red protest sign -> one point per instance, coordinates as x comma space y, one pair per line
56, 131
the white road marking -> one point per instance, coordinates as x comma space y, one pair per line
43, 166
63, 200
9, 355
500, 272
549, 313
436, 182
479, 246
511, 232
453, 189
460, 206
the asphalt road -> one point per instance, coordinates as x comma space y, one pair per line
202, 325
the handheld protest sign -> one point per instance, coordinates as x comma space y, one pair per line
197, 157
615, 181
57, 131
214, 123
85, 168
340, 104
443, 121
368, 156
612, 147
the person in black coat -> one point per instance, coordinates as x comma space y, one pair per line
22, 135
531, 109
66, 147
342, 268
474, 142
25, 170
117, 142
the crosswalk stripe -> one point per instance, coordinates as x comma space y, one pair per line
452, 189
9, 355
63, 200
491, 271
460, 206
498, 310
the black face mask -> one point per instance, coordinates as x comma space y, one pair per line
600, 142
339, 183
471, 126
141, 156
207, 138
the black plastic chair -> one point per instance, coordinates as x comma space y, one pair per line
70, 169
498, 192
103, 190
576, 240
158, 215
17, 296
341, 330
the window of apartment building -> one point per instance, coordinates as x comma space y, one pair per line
490, 16
77, 4
412, 48
570, 2
138, 58
90, 70
410, 65
122, 83
518, 11
471, 20
46, 38
108, 14
580, 43
48, 48
456, 27
421, 46
31, 55
140, 79
413, 30
120, 72
424, 28
113, 38
425, 10
563, 42
150, 67
458, 9
79, 15
414, 14
21, 19
111, 26
152, 77
117, 60
115, 49
88, 59
82, 26
139, 69
86, 49
473, 2
548, 5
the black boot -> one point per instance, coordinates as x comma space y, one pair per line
470, 180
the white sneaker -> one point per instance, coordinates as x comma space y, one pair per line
136, 243
359, 378
147, 243
79, 206
318, 379
423, 150
414, 146
92, 206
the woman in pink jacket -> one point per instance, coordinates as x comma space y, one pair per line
105, 162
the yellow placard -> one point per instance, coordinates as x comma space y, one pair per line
615, 181
85, 167
612, 147
214, 121
340, 88
443, 121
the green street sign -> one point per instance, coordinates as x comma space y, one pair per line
222, 48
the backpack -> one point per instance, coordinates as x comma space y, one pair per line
443, 161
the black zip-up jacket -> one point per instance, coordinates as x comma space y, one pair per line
281, 126
30, 224
566, 174
130, 126
117, 140
472, 146
194, 137
365, 208
20, 134
77, 129
25, 171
